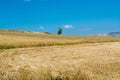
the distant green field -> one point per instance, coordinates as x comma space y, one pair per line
21, 39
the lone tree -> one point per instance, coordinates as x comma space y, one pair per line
59, 32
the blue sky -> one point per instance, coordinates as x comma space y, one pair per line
76, 17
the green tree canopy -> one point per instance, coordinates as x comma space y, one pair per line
59, 32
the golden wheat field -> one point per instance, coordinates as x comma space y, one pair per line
21, 39
37, 56
96, 61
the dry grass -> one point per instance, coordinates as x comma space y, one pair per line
93, 61
21, 39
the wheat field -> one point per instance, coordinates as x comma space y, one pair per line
39, 56
93, 61
21, 39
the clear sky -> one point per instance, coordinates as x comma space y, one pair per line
77, 17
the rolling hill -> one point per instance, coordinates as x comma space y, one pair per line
20, 39
113, 34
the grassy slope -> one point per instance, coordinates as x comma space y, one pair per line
17, 39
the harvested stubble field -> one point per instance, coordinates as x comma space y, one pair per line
89, 61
